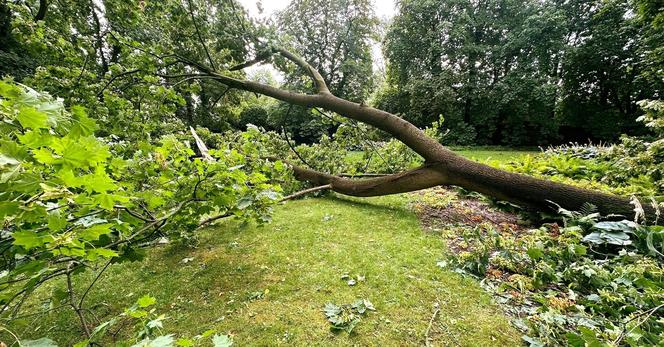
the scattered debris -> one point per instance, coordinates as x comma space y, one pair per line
346, 316
187, 260
351, 281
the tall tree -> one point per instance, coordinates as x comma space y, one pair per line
510, 72
601, 70
335, 37
482, 54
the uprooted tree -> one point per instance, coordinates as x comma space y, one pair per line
441, 166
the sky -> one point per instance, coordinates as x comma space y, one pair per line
384, 9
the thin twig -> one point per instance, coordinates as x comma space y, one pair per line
72, 302
291, 146
200, 37
80, 302
427, 339
214, 218
306, 191
108, 83
221, 96
647, 313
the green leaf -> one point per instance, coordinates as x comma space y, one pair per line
73, 154
221, 341
535, 253
35, 139
575, 340
68, 178
184, 342
43, 342
44, 156
589, 337
207, 333
82, 124
29, 117
146, 300
532, 342
105, 200
98, 182
8, 208
95, 253
56, 222
161, 341
623, 225
244, 203
28, 239
94, 232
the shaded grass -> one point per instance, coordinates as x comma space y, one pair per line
297, 262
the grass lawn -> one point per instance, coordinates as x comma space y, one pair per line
488, 154
297, 262
484, 154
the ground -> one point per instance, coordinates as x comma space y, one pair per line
267, 285
492, 153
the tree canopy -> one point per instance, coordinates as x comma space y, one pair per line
520, 73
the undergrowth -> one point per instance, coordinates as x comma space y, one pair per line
587, 283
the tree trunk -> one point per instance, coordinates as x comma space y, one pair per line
442, 166
41, 12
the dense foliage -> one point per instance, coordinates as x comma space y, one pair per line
589, 283
70, 200
524, 73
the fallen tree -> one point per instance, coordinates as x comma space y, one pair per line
441, 167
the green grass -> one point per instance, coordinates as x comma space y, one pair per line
485, 154
500, 154
297, 260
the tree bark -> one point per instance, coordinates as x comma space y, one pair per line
442, 166
41, 12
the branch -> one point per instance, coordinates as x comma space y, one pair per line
214, 218
317, 78
260, 57
319, 82
122, 74
416, 179
41, 13
306, 191
201, 146
444, 167
200, 37
427, 339
80, 302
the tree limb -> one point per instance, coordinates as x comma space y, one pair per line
443, 167
200, 37
306, 191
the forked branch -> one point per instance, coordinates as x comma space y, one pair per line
442, 166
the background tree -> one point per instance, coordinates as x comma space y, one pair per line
505, 72
335, 37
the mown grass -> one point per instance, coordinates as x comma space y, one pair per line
297, 262
491, 155
488, 154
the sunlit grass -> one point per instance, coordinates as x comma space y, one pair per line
489, 154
